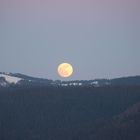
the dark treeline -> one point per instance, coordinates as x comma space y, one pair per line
68, 113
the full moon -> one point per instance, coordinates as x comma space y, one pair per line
65, 70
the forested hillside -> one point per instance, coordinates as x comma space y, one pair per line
69, 113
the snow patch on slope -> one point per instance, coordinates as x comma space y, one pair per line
11, 79
95, 83
71, 84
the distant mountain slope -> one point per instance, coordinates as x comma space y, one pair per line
8, 79
133, 80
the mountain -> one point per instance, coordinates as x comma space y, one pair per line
7, 79
69, 113
41, 109
17, 79
125, 126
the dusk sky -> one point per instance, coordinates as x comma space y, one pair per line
100, 38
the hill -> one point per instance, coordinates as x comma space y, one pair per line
17, 79
69, 113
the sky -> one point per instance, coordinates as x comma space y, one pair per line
100, 38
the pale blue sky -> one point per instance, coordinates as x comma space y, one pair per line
99, 41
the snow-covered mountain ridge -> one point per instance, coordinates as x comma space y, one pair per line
8, 79
11, 79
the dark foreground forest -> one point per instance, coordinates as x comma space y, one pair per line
70, 113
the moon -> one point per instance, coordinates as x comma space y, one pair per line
65, 70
